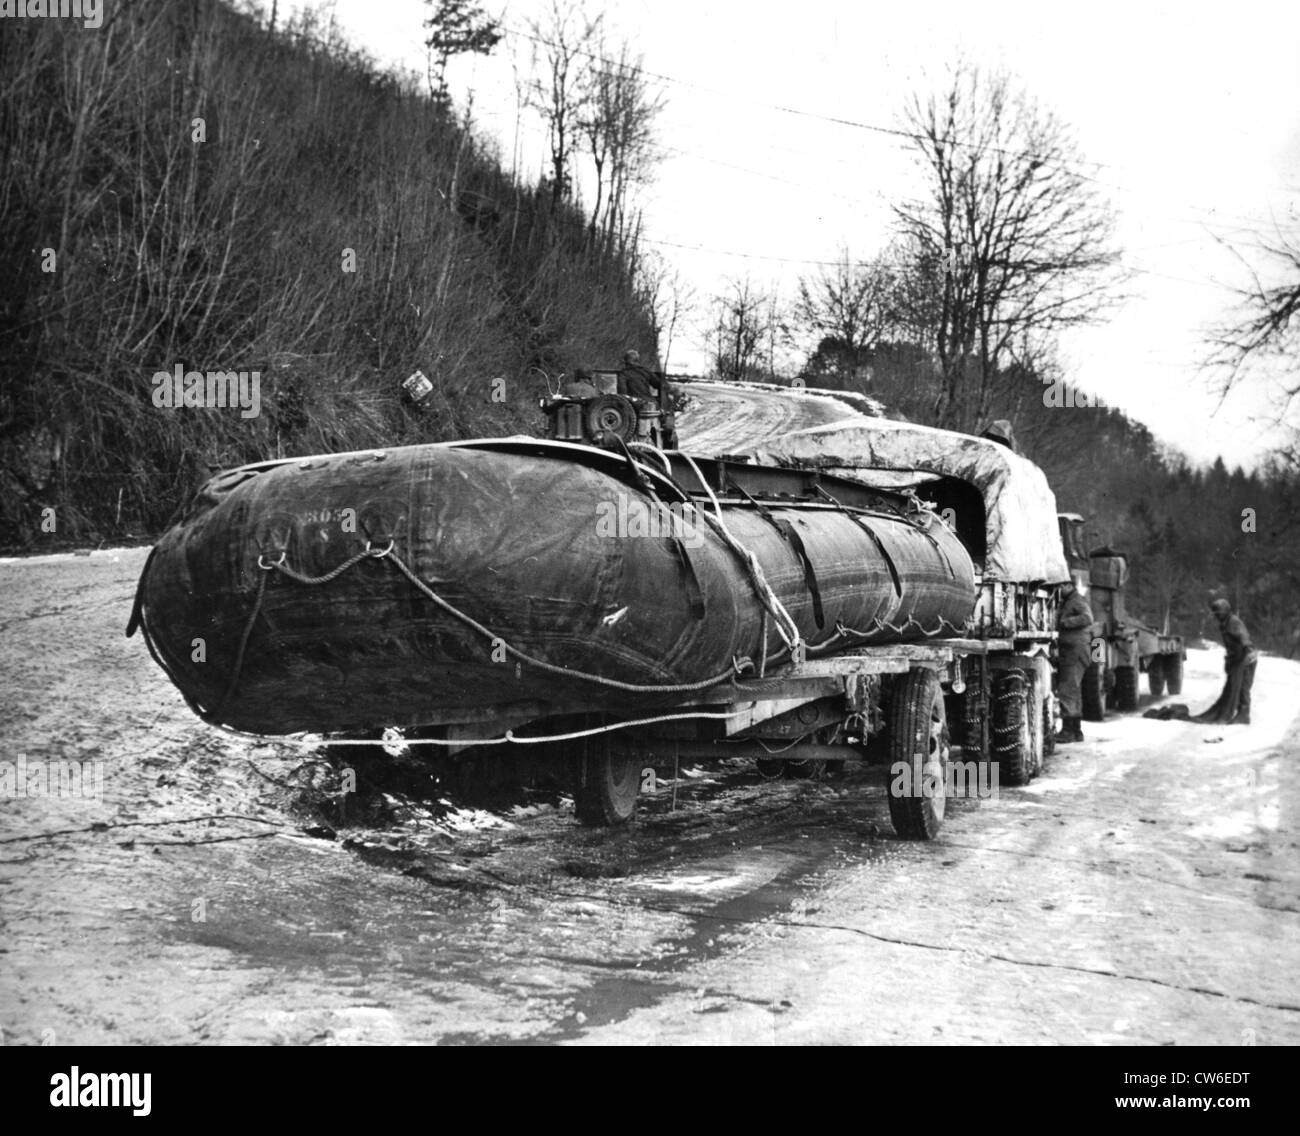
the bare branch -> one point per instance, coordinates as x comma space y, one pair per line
1265, 328
1022, 239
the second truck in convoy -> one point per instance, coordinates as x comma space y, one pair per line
1123, 647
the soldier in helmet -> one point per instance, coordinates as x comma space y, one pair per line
580, 386
1074, 623
1002, 433
1239, 658
636, 381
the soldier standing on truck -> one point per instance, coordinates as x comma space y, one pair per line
1074, 622
1239, 658
637, 381
1002, 433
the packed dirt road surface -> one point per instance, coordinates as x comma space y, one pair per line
719, 417
213, 888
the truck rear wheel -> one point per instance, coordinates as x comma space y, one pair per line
1173, 668
1156, 675
1126, 689
1094, 693
606, 783
918, 756
1013, 740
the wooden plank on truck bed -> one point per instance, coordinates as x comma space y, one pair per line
891, 663
782, 685
818, 678
972, 646
898, 658
755, 712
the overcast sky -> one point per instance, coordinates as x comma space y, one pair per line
1190, 112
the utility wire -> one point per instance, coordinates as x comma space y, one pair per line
813, 262
856, 124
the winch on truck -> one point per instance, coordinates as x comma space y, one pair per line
608, 407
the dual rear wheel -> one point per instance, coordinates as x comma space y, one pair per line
1094, 693
1020, 725
1165, 672
1156, 675
1172, 666
1127, 696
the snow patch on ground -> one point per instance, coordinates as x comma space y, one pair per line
1242, 759
469, 820
109, 555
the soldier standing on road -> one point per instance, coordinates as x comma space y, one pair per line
1239, 658
1074, 622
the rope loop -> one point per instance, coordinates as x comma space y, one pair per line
261, 558
381, 553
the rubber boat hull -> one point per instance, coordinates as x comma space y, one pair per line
562, 579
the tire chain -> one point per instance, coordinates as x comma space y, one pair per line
1011, 691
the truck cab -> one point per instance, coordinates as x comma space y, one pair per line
1123, 647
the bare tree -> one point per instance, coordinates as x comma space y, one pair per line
778, 333
740, 329
850, 305
916, 293
455, 27
562, 49
666, 296
1267, 328
617, 124
1019, 237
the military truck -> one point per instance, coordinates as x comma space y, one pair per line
991, 670
1123, 647
821, 587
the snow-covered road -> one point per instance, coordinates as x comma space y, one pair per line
1143, 890
721, 418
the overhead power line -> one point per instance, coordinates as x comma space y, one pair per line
857, 124
812, 262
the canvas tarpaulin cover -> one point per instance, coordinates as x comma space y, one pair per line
1023, 540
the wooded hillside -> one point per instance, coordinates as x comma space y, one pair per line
184, 187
